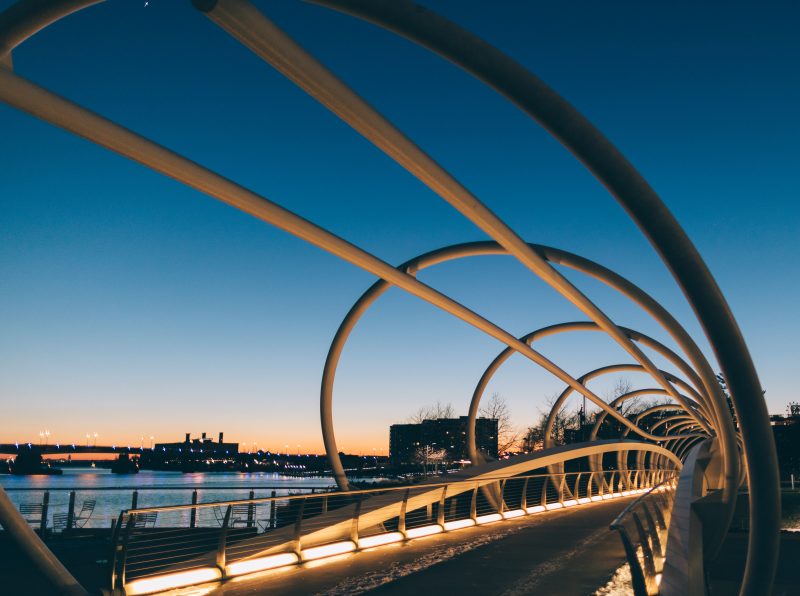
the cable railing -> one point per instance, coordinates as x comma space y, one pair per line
160, 548
643, 527
62, 507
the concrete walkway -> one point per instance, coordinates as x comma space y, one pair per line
567, 552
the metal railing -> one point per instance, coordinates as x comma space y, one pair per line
643, 526
65, 503
158, 548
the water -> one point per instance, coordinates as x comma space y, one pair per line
113, 492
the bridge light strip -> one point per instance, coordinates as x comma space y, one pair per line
260, 564
327, 550
424, 531
170, 581
458, 524
381, 539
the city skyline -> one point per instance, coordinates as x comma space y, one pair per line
138, 307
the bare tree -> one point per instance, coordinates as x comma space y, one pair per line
563, 421
427, 455
435, 412
497, 408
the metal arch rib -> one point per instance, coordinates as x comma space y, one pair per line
564, 258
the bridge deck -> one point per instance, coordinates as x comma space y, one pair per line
526, 555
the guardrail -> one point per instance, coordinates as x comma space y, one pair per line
167, 547
63, 501
643, 526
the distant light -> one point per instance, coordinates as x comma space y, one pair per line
380, 539
260, 564
172, 580
327, 550
423, 531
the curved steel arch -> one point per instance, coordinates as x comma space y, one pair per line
457, 251
603, 370
580, 326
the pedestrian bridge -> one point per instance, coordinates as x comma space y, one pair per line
692, 453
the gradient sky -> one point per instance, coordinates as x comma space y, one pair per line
132, 306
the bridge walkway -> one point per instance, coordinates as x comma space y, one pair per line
567, 551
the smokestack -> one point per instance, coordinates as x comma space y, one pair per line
220, 437
187, 437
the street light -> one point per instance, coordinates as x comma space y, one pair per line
95, 439
88, 438
151, 441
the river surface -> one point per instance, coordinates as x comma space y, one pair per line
113, 492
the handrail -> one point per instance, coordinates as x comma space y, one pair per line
180, 550
349, 493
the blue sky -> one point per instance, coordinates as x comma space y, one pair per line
134, 306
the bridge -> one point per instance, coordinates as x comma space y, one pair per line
676, 469
70, 449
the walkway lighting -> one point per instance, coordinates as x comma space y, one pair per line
172, 580
423, 531
488, 519
379, 539
260, 564
327, 550
458, 524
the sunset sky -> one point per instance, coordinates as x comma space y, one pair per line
131, 305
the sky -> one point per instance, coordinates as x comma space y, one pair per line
132, 306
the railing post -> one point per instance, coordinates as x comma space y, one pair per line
523, 502
473, 505
501, 507
223, 541
647, 553
651, 525
124, 549
135, 499
116, 526
298, 527
440, 511
193, 514
575, 494
589, 485
356, 517
401, 520
324, 505
545, 482
792, 480
637, 575
272, 509
45, 507
251, 510
71, 511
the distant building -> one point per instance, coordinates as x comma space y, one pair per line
449, 434
197, 449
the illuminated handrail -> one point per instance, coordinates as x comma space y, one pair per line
278, 531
